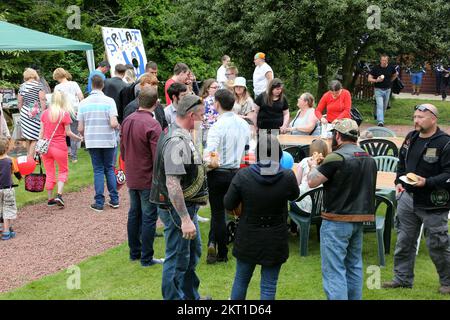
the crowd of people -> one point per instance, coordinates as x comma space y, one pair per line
189, 152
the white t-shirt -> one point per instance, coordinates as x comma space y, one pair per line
221, 77
71, 89
259, 78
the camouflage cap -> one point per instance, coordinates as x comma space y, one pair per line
348, 127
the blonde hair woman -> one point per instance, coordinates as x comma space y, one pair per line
55, 121
305, 121
243, 105
74, 95
31, 102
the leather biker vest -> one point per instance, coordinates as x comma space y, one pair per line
193, 183
351, 190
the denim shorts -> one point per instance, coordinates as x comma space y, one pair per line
416, 78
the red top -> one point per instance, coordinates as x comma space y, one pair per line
338, 108
59, 139
139, 137
166, 86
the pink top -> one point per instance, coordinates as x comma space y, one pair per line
59, 139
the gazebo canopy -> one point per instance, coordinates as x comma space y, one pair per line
14, 37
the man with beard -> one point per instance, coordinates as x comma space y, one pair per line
348, 175
425, 157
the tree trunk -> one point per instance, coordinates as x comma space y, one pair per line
321, 57
348, 65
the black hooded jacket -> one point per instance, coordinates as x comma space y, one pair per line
262, 235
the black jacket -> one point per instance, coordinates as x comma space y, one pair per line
112, 89
261, 235
434, 165
159, 112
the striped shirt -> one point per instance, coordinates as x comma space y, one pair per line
29, 115
95, 113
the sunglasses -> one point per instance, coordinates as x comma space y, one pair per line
423, 108
196, 103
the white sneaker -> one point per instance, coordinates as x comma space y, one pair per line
202, 219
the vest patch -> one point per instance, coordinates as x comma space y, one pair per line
360, 154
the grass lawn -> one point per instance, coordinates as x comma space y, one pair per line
111, 276
402, 110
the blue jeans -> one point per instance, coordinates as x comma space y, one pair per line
244, 273
382, 99
141, 225
102, 162
179, 280
341, 252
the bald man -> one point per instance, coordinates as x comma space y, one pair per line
426, 153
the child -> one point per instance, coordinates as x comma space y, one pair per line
8, 208
318, 148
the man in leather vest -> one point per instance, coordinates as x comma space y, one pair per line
426, 153
178, 188
348, 175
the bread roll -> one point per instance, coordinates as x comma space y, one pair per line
412, 176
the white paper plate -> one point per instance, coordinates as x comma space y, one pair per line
406, 180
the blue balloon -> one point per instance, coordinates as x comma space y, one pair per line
287, 161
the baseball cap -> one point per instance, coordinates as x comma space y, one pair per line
260, 55
187, 103
348, 127
240, 81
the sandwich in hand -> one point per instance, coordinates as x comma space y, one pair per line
412, 177
318, 157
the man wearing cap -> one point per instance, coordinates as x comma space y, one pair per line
178, 188
262, 75
425, 153
348, 175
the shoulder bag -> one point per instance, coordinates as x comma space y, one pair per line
43, 144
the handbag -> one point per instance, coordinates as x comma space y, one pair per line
43, 144
35, 182
356, 115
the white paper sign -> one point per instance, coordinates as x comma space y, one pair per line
125, 46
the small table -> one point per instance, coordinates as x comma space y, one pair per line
296, 140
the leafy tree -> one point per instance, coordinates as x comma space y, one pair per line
333, 33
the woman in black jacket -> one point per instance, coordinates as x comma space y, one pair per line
261, 238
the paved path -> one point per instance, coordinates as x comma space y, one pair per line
51, 239
422, 96
401, 130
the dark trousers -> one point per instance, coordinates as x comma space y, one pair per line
444, 85
218, 182
141, 225
408, 222
438, 75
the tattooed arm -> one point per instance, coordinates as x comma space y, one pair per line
315, 178
177, 199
